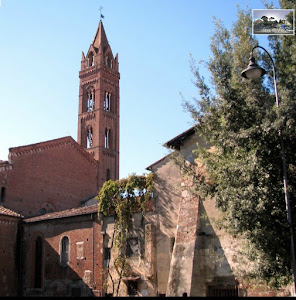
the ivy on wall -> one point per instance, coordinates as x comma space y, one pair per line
121, 198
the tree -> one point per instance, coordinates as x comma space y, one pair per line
264, 19
240, 119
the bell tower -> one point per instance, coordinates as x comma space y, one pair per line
98, 113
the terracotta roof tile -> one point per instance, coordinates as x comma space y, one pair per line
7, 212
64, 214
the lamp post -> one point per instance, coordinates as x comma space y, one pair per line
254, 72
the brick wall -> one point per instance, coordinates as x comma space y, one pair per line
8, 256
53, 175
84, 269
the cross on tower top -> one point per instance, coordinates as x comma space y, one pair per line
101, 16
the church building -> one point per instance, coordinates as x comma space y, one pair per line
51, 236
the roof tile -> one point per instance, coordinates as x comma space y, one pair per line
64, 214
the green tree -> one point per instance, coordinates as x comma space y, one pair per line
240, 119
264, 19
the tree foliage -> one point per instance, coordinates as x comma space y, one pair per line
240, 119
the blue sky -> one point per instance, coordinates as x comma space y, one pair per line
40, 53
277, 14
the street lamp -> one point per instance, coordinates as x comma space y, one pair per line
252, 72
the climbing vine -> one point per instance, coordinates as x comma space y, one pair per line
122, 198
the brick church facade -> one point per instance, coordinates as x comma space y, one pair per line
51, 237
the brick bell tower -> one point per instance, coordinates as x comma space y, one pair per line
98, 114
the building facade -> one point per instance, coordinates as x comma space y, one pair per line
52, 238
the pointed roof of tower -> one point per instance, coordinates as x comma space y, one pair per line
100, 38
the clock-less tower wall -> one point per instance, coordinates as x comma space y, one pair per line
98, 113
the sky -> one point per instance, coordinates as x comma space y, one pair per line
277, 14
40, 53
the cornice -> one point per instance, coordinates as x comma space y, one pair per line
57, 143
5, 166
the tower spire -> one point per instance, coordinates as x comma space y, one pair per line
100, 38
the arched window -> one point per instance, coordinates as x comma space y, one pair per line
89, 138
107, 102
109, 62
38, 263
107, 138
90, 101
91, 59
64, 250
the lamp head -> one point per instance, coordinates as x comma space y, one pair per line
253, 71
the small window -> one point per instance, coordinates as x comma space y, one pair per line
107, 253
89, 138
90, 102
107, 138
107, 102
65, 250
133, 247
109, 62
3, 194
91, 59
42, 211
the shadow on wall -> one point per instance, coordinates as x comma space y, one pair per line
167, 197
46, 275
212, 272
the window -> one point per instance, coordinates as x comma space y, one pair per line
65, 250
89, 137
90, 101
38, 263
3, 194
109, 62
108, 177
91, 59
107, 253
107, 138
107, 102
133, 247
